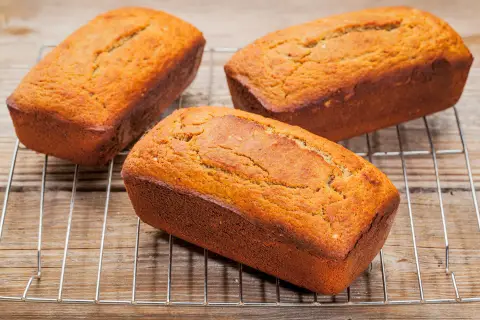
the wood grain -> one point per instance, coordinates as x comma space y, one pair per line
26, 25
53, 311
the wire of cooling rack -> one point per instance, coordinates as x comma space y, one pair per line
382, 260
402, 154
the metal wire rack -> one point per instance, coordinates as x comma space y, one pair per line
316, 300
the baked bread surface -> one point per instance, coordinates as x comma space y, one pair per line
103, 85
352, 73
264, 193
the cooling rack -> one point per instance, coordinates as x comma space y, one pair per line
425, 213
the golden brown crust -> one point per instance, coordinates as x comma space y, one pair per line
310, 194
336, 76
116, 81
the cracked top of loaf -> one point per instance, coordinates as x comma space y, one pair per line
101, 70
307, 64
310, 191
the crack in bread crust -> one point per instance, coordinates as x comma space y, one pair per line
117, 44
339, 32
301, 143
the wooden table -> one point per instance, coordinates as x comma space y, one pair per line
27, 25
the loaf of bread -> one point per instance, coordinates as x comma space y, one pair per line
270, 195
105, 84
352, 73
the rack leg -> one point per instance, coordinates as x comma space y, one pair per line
442, 210
382, 261
135, 263
7, 189
240, 283
40, 229
412, 228
169, 279
104, 229
67, 237
469, 169
205, 275
277, 284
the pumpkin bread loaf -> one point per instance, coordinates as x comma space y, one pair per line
352, 73
105, 84
267, 194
